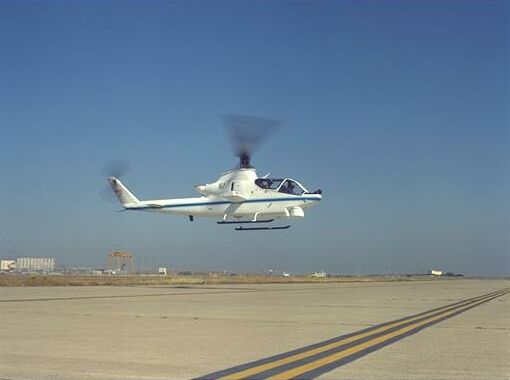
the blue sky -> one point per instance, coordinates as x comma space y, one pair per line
399, 112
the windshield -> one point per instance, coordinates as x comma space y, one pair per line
291, 187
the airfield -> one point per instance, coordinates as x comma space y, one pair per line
439, 329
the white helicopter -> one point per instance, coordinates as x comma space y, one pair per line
238, 196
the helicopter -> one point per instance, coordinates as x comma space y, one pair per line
239, 196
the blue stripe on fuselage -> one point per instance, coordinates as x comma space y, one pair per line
211, 203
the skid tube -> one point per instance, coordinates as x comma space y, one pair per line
241, 228
245, 221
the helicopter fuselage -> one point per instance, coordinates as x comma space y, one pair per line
282, 206
238, 194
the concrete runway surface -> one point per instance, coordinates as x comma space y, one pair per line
445, 329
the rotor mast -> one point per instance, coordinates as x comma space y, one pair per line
244, 161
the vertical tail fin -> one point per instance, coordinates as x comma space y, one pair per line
125, 196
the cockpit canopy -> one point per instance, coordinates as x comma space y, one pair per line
287, 186
268, 183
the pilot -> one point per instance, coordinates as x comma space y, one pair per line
290, 187
286, 188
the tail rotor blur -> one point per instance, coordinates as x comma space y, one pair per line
117, 169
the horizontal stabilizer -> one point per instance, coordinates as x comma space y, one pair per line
154, 205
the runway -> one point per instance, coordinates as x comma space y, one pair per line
456, 329
314, 360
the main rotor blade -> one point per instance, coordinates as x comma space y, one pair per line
248, 133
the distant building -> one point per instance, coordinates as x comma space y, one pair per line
435, 272
318, 274
7, 265
35, 264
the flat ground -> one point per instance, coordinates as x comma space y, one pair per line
173, 332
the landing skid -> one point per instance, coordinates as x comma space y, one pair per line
245, 221
241, 228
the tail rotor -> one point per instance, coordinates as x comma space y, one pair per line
114, 169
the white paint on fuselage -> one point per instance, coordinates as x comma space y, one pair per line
204, 206
233, 195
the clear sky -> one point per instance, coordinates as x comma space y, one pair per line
399, 112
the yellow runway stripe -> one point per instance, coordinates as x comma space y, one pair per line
243, 374
294, 372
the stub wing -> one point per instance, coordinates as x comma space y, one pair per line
234, 196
